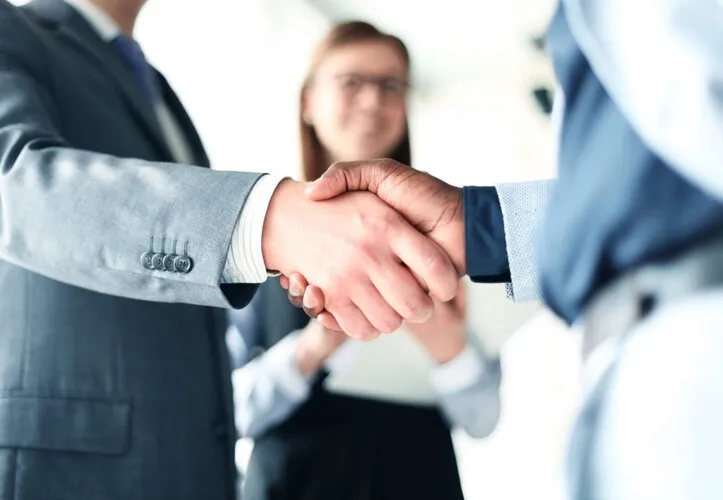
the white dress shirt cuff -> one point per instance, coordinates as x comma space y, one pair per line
280, 361
459, 373
245, 260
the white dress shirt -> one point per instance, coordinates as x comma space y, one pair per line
244, 263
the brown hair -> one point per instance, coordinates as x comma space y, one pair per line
312, 152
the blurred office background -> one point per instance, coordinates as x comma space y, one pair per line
478, 116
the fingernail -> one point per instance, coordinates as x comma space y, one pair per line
422, 316
309, 303
295, 290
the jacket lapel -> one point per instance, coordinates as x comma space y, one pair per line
184, 121
68, 24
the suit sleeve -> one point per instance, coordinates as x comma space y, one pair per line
468, 387
85, 218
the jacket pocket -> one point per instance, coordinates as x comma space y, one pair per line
65, 424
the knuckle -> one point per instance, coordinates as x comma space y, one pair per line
434, 261
335, 282
366, 254
381, 223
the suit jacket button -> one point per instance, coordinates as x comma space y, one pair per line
183, 264
147, 260
168, 263
157, 261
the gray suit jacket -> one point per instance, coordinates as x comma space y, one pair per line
114, 380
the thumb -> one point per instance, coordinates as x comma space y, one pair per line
348, 176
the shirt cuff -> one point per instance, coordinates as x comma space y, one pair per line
281, 362
245, 260
459, 373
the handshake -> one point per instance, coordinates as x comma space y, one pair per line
366, 246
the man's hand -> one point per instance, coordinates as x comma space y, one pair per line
310, 298
429, 204
365, 259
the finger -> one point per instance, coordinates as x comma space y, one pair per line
401, 291
313, 301
459, 302
295, 301
336, 180
284, 282
297, 285
352, 176
427, 259
353, 322
419, 279
379, 313
455, 307
327, 320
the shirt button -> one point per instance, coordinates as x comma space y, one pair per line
183, 264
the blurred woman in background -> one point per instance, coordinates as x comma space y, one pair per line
314, 439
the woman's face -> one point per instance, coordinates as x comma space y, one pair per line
357, 101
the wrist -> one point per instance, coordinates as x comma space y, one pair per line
452, 238
306, 362
457, 250
450, 349
276, 221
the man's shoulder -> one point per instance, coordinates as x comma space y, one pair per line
20, 29
17, 18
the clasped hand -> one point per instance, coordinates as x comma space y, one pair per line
363, 262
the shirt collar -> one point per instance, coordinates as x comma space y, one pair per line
98, 19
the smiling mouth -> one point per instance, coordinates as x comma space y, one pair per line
368, 128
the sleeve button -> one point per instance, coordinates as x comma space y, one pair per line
183, 264
147, 260
157, 261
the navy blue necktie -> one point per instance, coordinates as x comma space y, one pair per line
133, 55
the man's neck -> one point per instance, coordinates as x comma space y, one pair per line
123, 12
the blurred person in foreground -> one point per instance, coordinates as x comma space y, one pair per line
630, 247
314, 443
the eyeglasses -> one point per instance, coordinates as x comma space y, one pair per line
351, 84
